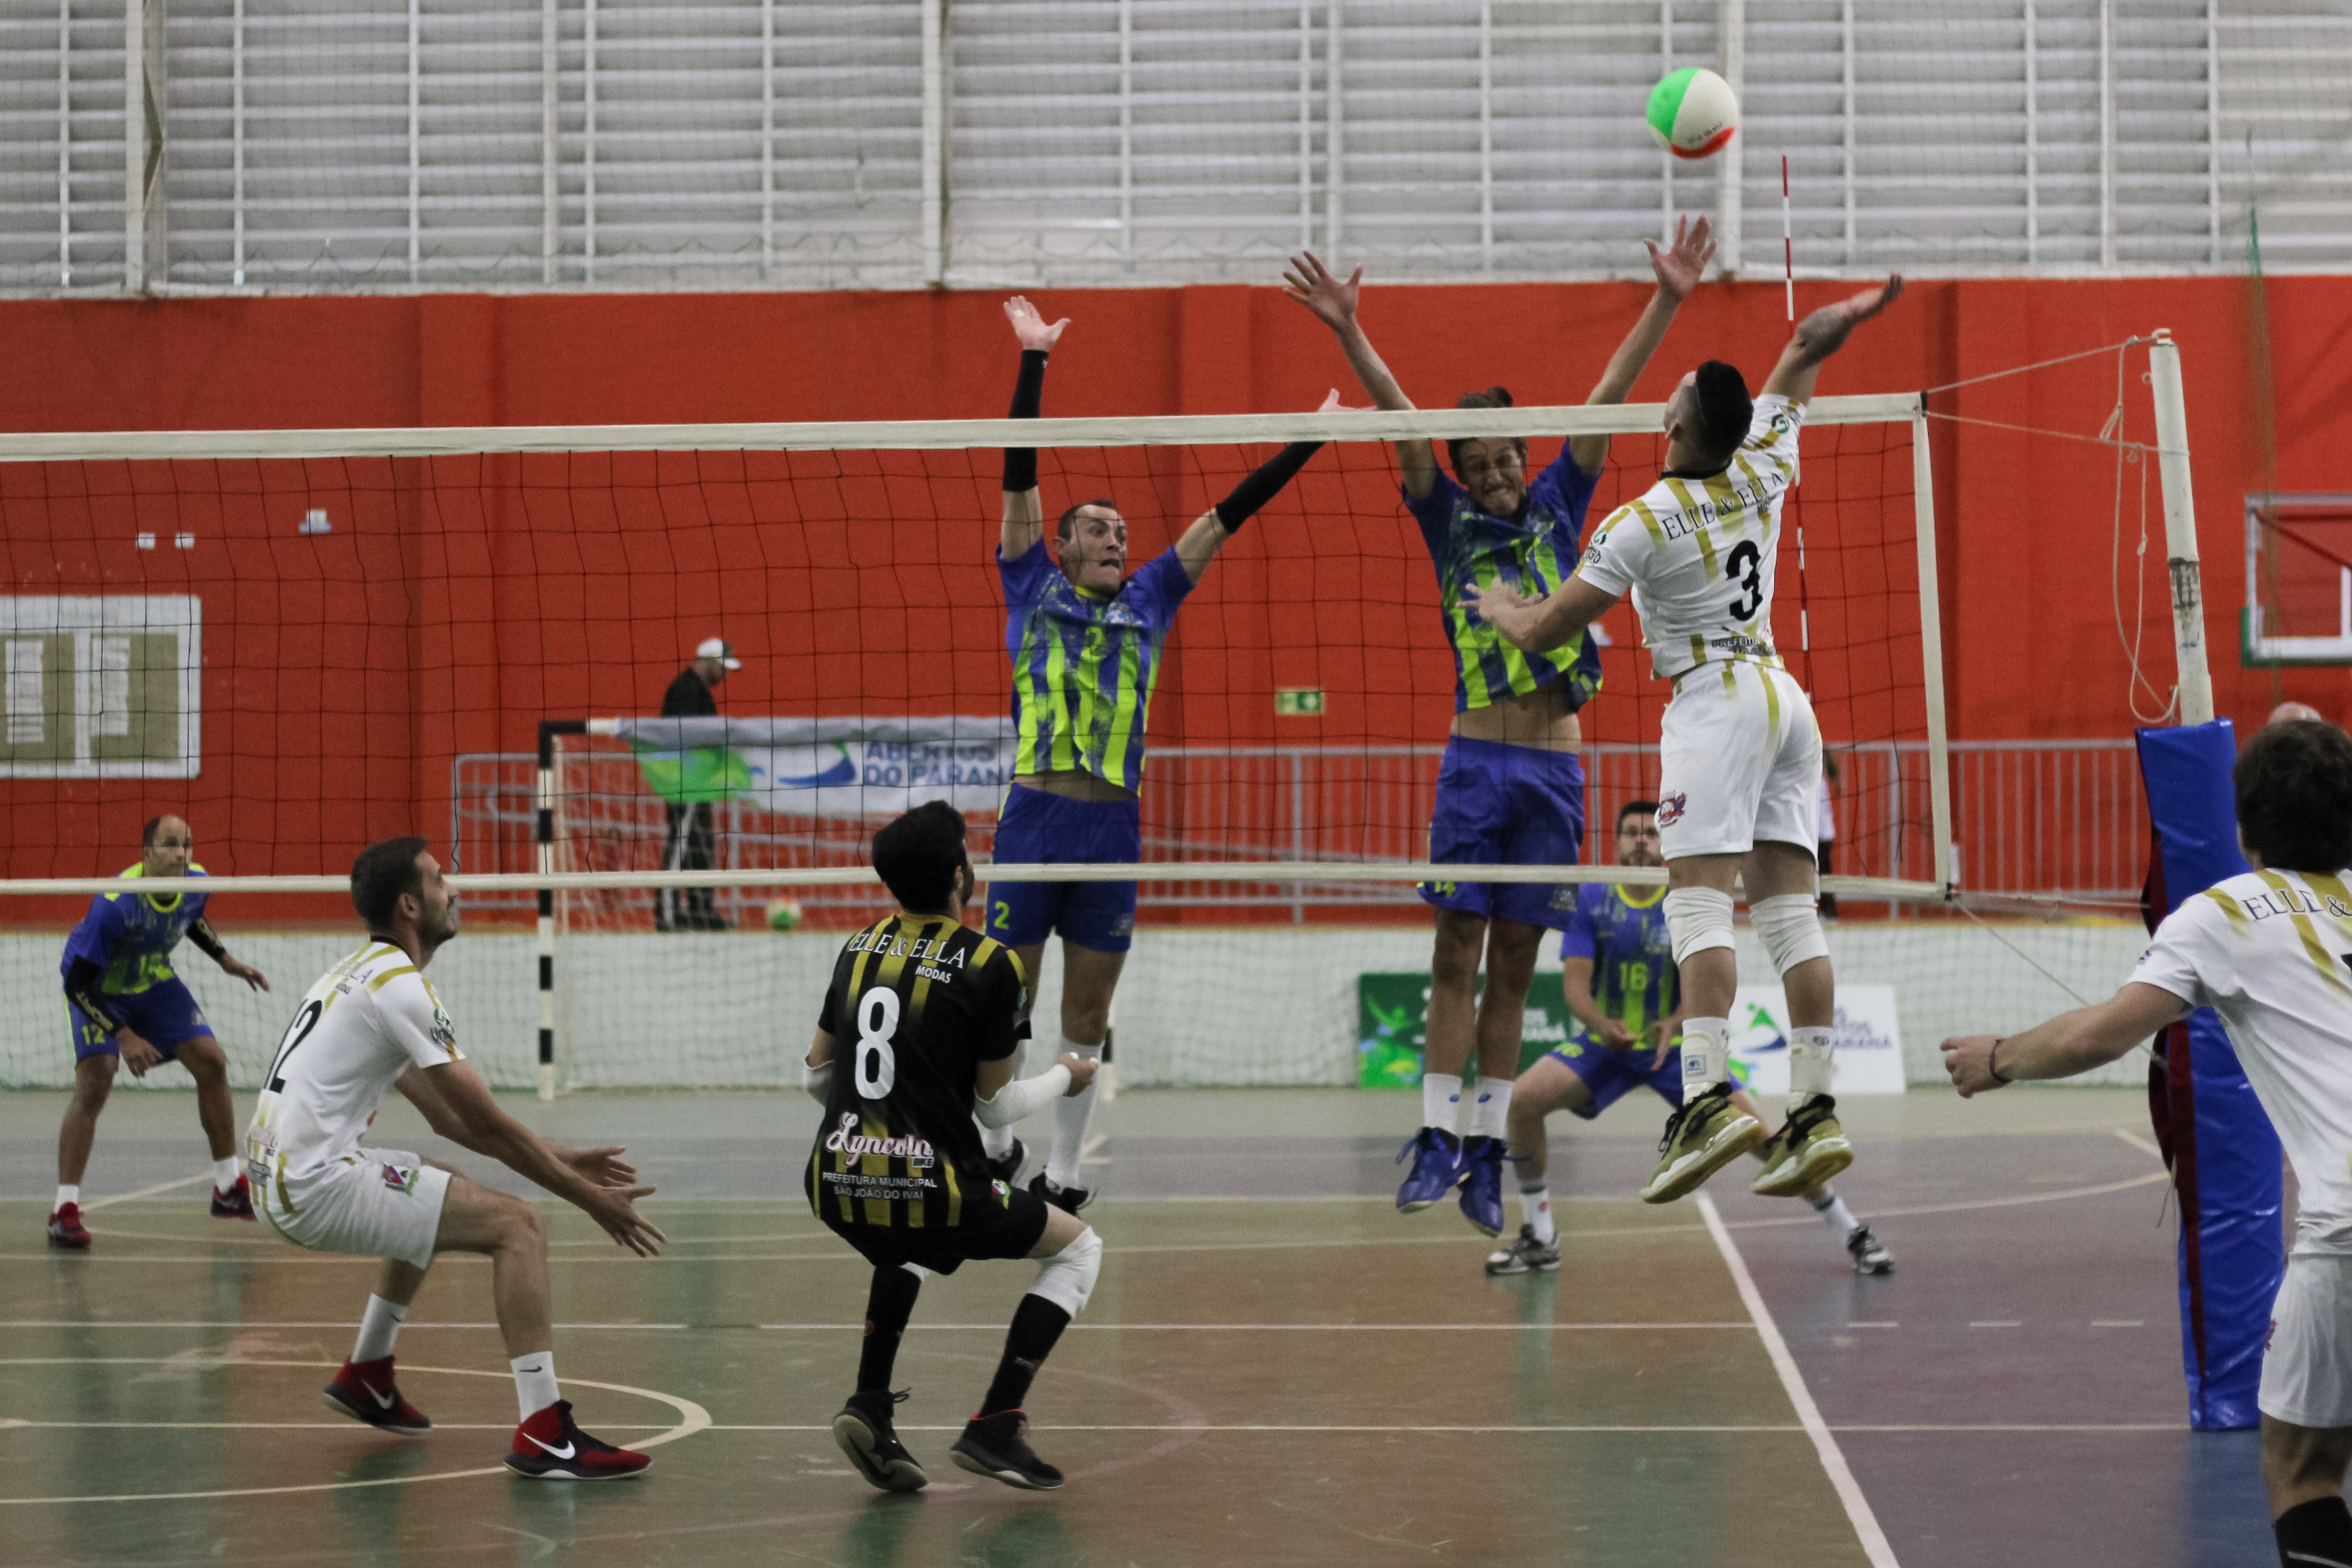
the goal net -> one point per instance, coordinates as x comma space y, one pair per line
303, 641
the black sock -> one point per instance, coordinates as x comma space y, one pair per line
1035, 1327
2315, 1534
887, 1306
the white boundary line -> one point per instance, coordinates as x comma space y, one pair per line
97, 1203
1857, 1507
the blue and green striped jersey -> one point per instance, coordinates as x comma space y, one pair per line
1624, 930
1535, 551
131, 935
1084, 667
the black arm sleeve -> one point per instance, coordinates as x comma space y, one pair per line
1265, 484
201, 932
82, 991
1021, 462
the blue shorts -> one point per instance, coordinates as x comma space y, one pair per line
164, 1016
1611, 1074
1508, 806
1036, 829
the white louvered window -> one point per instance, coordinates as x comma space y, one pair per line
339, 144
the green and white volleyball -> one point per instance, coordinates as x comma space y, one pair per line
1692, 113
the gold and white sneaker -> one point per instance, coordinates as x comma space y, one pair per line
1702, 1137
1807, 1152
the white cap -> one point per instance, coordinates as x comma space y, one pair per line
713, 647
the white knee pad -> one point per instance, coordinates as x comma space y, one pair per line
1697, 919
1790, 927
1067, 1277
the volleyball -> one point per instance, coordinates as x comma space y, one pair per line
1693, 112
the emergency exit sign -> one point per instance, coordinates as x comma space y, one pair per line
1298, 701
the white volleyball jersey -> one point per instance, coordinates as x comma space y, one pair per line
367, 1021
1700, 554
2270, 952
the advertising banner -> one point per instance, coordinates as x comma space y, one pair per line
849, 767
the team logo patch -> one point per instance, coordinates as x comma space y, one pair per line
1003, 1190
1671, 808
398, 1180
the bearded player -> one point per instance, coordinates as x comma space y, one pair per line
1618, 975
1740, 759
371, 1024
1511, 788
1085, 640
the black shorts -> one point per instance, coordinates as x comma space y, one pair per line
1012, 1233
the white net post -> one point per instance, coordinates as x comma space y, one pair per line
2196, 693
1931, 649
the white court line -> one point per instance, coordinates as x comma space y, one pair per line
242, 1324
2140, 1141
1995, 1323
10, 1423
1285, 1328
1857, 1507
97, 1203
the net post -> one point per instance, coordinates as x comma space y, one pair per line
1931, 648
543, 835
2195, 678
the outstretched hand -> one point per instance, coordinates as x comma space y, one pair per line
1030, 328
1309, 282
1506, 609
600, 1167
1824, 331
1681, 265
615, 1208
1331, 405
254, 979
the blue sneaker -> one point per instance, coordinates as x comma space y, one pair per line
1436, 1169
1481, 1183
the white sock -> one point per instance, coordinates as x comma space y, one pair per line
534, 1378
69, 1193
1810, 1060
223, 1174
1831, 1208
995, 1141
1441, 1100
378, 1326
1072, 1114
1492, 1106
1706, 1055
1534, 1211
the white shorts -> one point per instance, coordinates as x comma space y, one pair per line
2307, 1361
385, 1202
1739, 763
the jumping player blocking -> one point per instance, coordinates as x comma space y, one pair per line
374, 1023
1511, 789
931, 1015
126, 1007
1740, 756
2270, 952
1085, 640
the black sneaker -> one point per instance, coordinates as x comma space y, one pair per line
550, 1447
1069, 1200
864, 1431
234, 1203
998, 1447
1869, 1253
1526, 1256
1008, 1169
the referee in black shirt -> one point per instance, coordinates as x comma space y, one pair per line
690, 843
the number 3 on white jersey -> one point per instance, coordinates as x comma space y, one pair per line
877, 1020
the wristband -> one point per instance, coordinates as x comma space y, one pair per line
1028, 391
1992, 1060
1265, 484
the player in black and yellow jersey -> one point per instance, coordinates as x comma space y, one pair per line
920, 1029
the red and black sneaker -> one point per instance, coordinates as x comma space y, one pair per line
234, 1203
365, 1392
549, 1447
65, 1229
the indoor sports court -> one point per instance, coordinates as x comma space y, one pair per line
1170, 781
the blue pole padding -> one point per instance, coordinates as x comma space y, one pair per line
2225, 1155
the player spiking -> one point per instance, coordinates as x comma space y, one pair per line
2270, 952
929, 1016
1085, 640
1740, 756
1511, 788
374, 1023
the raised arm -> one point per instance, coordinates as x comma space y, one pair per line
1822, 334
1212, 527
1678, 269
1334, 304
1024, 512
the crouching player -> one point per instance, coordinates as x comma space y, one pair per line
374, 1023
918, 1035
1617, 962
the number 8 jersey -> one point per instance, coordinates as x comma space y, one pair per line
368, 1020
1699, 553
917, 1002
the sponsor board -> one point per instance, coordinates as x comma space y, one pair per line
1869, 1041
